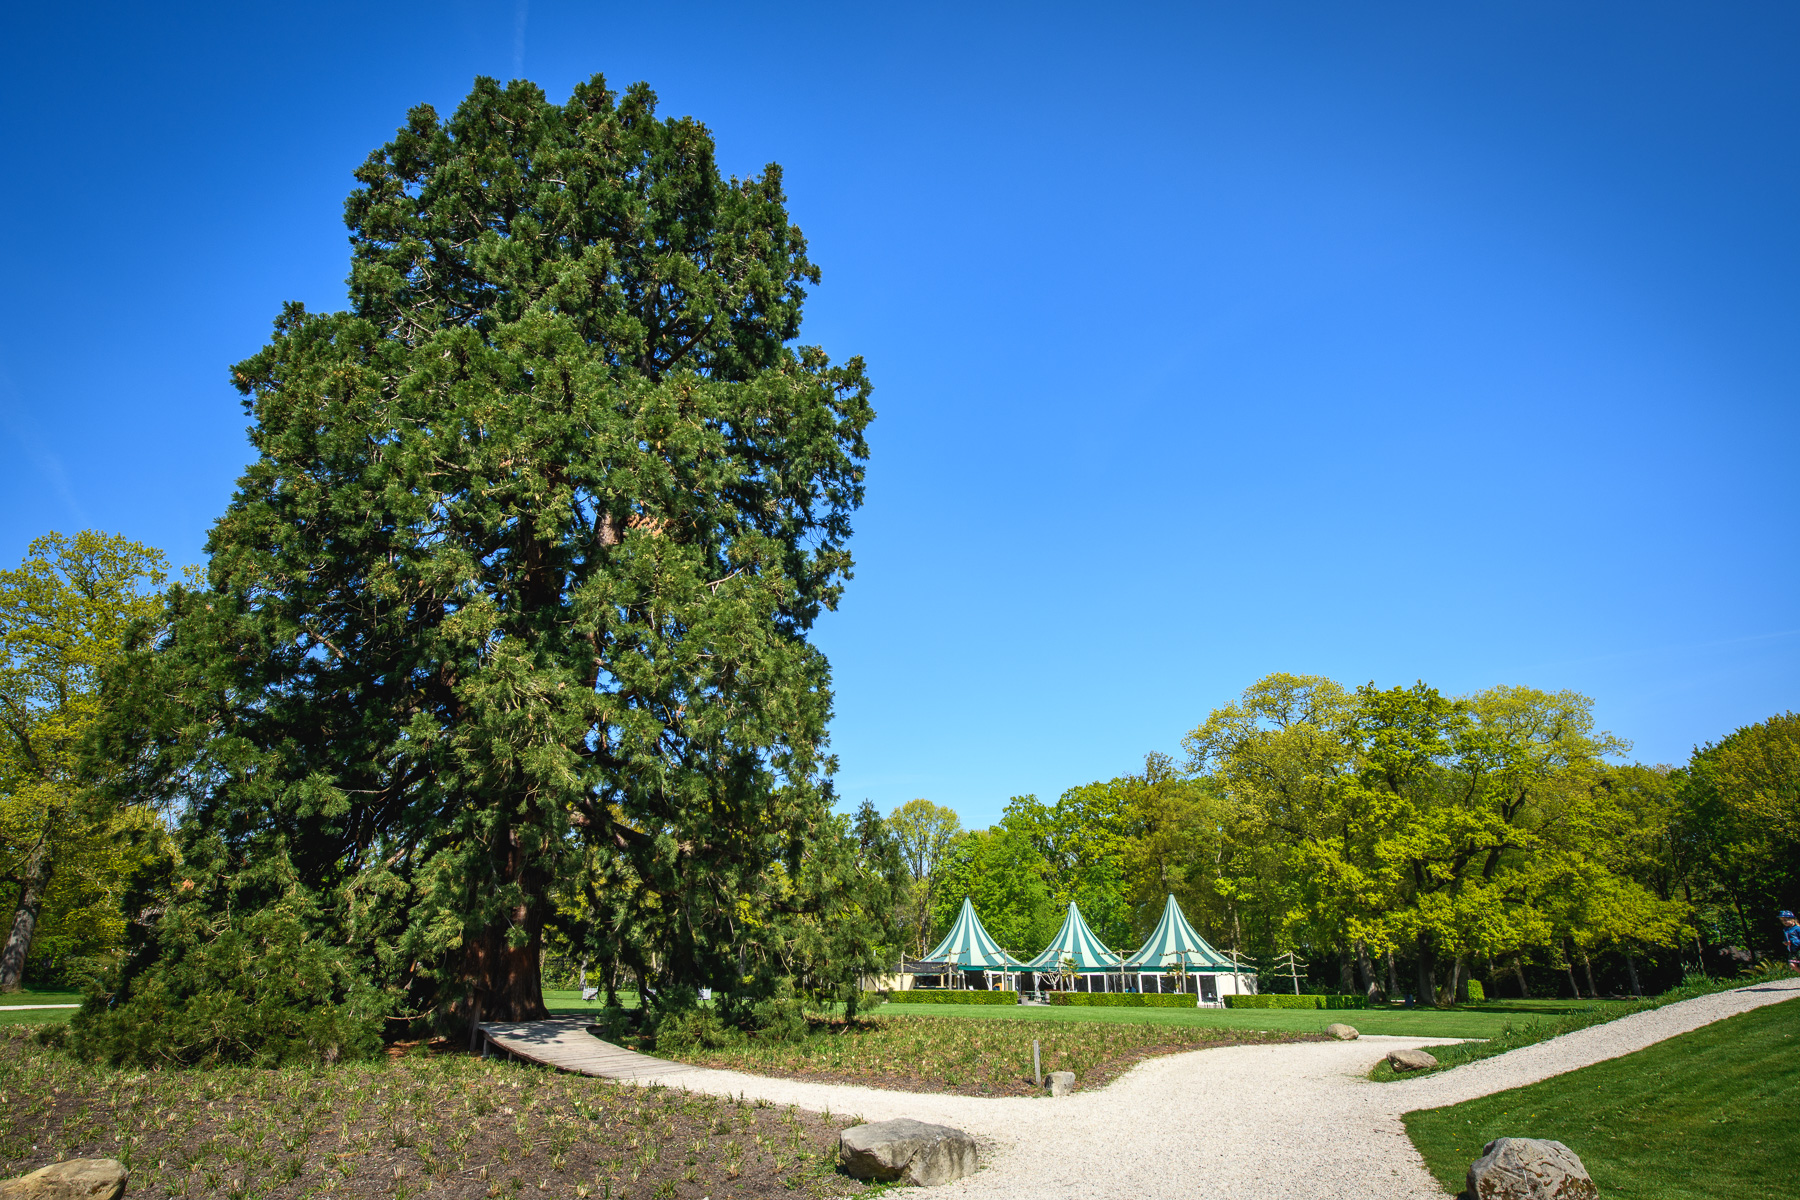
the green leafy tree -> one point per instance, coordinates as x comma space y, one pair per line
926, 834
1740, 802
521, 579
1002, 874
65, 616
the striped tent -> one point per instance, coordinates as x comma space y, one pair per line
969, 947
1174, 941
1075, 940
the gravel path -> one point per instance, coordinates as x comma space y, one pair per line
1290, 1122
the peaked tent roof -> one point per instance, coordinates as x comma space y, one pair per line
1075, 940
968, 945
1174, 941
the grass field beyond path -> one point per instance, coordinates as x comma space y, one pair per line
1710, 1115
1469, 1021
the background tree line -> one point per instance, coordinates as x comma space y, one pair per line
1403, 842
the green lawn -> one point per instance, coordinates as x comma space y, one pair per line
1710, 1115
37, 1016
568, 1000
1470, 1021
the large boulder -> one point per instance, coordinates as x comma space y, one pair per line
72, 1179
906, 1150
1529, 1169
1410, 1060
1342, 1032
1061, 1082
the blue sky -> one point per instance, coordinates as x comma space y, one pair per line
1385, 342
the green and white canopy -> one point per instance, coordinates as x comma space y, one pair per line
1075, 940
968, 946
1174, 941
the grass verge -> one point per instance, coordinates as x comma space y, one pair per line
939, 1053
1708, 1115
1514, 1034
37, 1016
446, 1125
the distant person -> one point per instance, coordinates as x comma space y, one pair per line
1790, 938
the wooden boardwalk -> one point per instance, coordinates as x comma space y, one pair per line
565, 1043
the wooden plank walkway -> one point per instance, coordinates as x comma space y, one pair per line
565, 1043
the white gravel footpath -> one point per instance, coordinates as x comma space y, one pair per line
1288, 1122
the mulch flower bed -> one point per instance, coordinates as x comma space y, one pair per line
971, 1057
418, 1124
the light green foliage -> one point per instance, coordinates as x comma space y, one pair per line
1004, 877
507, 623
1740, 822
65, 616
927, 834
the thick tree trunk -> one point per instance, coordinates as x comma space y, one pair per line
1569, 966
1346, 982
1587, 966
1427, 970
1393, 976
1631, 970
1366, 969
506, 981
35, 880
1519, 973
1447, 994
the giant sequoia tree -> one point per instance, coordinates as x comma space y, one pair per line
522, 575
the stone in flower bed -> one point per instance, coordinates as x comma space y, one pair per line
73, 1179
908, 1151
1411, 1060
1342, 1032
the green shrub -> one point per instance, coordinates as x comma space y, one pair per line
1120, 1000
779, 1018
254, 989
1477, 993
951, 996
1277, 1000
694, 1029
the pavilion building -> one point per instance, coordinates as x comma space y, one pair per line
1076, 960
971, 958
1175, 958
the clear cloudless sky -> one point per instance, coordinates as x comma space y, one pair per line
1381, 341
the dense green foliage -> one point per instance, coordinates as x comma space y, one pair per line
1403, 842
65, 616
1118, 1000
1277, 1000
503, 640
955, 996
1708, 1115
253, 988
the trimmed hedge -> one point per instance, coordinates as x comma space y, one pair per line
953, 996
1276, 1000
1120, 999
1476, 992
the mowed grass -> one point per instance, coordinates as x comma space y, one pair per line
940, 1053
568, 1000
447, 1125
39, 1016
1709, 1115
1471, 1021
